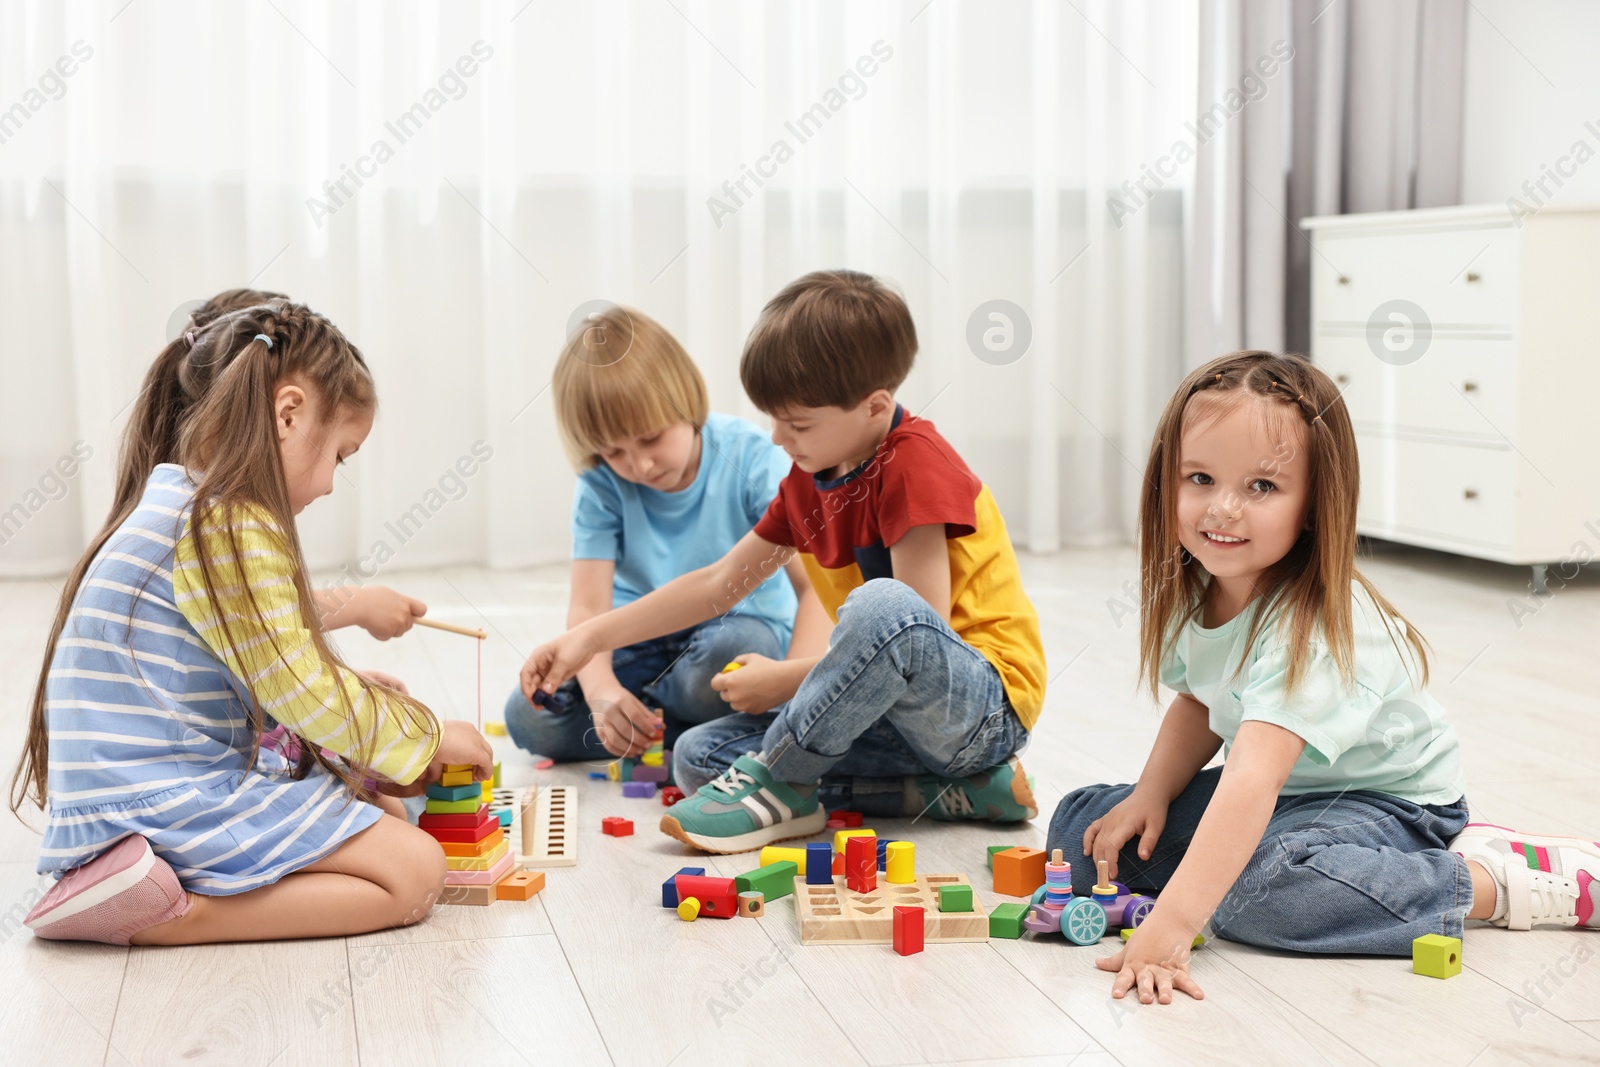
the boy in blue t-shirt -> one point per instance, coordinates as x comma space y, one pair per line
664, 487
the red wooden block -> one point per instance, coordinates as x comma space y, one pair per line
852, 819
718, 897
907, 929
477, 833
861, 864
838, 863
670, 795
455, 822
836, 824
616, 827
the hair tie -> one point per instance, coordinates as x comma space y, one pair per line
1299, 398
264, 338
1219, 377
189, 337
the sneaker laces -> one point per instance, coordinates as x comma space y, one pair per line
953, 800
1539, 898
731, 781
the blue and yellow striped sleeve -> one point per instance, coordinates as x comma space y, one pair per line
274, 652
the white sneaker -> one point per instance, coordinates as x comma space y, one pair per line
1544, 881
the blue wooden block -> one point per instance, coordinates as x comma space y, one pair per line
599, 775
883, 855
455, 792
638, 789
819, 863
669, 888
504, 815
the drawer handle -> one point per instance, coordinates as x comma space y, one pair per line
1343, 379
1469, 494
1343, 280
1469, 387
1473, 276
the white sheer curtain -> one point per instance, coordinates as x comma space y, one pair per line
448, 182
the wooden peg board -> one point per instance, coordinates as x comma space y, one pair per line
833, 915
544, 823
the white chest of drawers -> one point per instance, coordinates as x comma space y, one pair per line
1467, 346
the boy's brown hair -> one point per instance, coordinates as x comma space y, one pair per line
623, 375
829, 339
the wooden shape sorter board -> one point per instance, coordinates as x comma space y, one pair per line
544, 821
833, 915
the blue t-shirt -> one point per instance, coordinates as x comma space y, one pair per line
1384, 732
654, 536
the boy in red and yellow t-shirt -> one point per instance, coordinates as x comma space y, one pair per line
934, 673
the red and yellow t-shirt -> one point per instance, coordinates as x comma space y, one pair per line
844, 528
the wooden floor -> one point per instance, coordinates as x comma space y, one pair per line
594, 971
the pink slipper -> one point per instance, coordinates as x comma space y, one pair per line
125, 889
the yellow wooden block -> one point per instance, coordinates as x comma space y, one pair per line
614, 770
900, 865
689, 909
457, 767
495, 781
495, 729
478, 863
651, 759
842, 836
456, 778
488, 791
777, 854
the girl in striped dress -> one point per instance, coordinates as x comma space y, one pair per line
189, 620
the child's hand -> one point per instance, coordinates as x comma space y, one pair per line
380, 678
1139, 814
760, 684
553, 662
1156, 960
623, 724
377, 609
460, 743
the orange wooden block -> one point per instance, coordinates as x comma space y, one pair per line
519, 886
466, 849
1018, 871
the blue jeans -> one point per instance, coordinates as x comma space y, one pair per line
1335, 872
897, 694
672, 673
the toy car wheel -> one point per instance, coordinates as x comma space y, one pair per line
1137, 911
1083, 922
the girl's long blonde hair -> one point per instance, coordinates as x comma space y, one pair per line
1310, 586
229, 438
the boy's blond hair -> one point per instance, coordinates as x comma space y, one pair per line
623, 375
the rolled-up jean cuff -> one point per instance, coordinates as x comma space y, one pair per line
789, 762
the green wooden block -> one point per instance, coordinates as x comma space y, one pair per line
454, 807
1436, 956
996, 848
955, 898
1006, 920
772, 881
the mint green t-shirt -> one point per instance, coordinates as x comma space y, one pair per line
1384, 733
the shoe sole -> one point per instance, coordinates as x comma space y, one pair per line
1506, 833
803, 826
98, 893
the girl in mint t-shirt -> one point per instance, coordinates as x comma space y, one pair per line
1338, 821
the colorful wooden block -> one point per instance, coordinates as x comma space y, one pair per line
842, 836
955, 898
649, 759
1006, 920
718, 897
861, 864
519, 886
454, 792
670, 795
476, 833
1018, 871
752, 905
989, 861
477, 895
669, 888
818, 867
448, 767
506, 817
832, 915
503, 866
454, 822
638, 789
478, 863
486, 790
778, 854
473, 848
494, 779
454, 807
646, 773
688, 909
908, 933
900, 863
1436, 956
616, 827
450, 778
773, 881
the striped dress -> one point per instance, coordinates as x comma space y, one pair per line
149, 721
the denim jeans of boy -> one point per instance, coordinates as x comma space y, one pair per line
672, 673
1358, 871
898, 694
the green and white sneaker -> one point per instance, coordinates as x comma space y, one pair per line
744, 808
998, 795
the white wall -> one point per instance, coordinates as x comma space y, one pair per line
1531, 87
